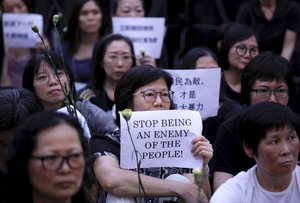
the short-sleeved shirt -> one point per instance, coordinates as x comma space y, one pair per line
109, 145
271, 32
245, 188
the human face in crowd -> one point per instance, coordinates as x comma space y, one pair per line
277, 153
52, 144
158, 87
117, 60
90, 17
130, 8
48, 88
14, 6
206, 62
269, 85
242, 52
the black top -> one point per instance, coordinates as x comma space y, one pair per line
229, 155
271, 32
226, 93
226, 111
163, 60
98, 97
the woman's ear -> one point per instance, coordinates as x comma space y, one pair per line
248, 151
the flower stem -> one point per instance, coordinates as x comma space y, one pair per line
138, 163
71, 110
69, 98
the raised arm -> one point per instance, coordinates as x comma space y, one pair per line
146, 59
203, 148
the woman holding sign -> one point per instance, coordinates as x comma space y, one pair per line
17, 57
144, 88
136, 9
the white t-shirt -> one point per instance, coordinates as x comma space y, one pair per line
244, 188
82, 121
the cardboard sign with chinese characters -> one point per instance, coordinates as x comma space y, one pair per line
145, 33
197, 89
17, 30
162, 139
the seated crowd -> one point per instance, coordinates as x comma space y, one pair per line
60, 121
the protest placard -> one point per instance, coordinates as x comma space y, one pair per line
162, 139
145, 33
197, 89
17, 30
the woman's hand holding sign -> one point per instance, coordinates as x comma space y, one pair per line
202, 148
145, 59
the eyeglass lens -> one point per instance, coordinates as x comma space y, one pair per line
241, 50
267, 93
56, 162
151, 96
44, 78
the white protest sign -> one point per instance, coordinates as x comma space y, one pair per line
197, 89
145, 33
162, 139
17, 29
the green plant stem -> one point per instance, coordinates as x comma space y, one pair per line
72, 110
141, 187
60, 49
72, 102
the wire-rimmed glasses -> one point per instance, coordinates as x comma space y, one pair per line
43, 78
151, 95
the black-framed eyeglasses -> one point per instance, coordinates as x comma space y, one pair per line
241, 50
151, 95
264, 93
53, 163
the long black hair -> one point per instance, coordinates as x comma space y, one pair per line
72, 35
98, 73
190, 58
